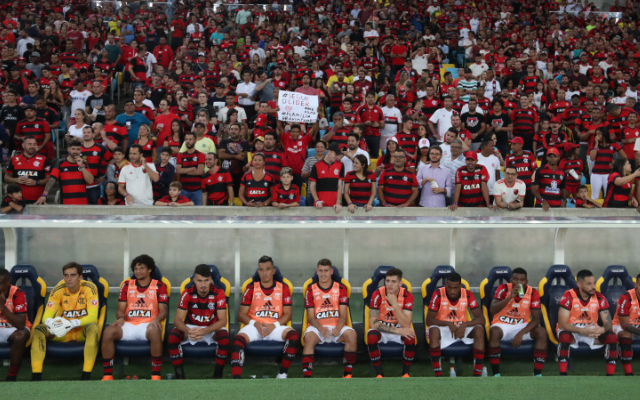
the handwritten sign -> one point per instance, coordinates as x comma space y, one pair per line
297, 107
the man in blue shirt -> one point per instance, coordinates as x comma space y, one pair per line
132, 120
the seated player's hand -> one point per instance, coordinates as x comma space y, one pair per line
118, 322
407, 333
452, 329
335, 332
517, 340
267, 329
459, 332
326, 333
60, 326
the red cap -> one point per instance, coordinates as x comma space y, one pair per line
517, 140
471, 154
553, 150
556, 120
570, 146
261, 120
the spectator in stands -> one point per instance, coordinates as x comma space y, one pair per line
233, 151
111, 196
132, 120
167, 170
217, 185
487, 159
97, 158
135, 180
72, 175
509, 193
326, 180
442, 117
549, 183
35, 127
13, 203
95, 105
29, 170
190, 168
78, 97
471, 184
174, 198
620, 183
397, 186
360, 185
285, 194
256, 185
602, 155
434, 180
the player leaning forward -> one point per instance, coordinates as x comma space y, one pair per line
71, 315
265, 310
201, 317
142, 306
578, 316
327, 304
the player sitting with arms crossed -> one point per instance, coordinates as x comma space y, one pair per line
516, 317
201, 317
578, 316
14, 325
448, 322
265, 310
327, 304
71, 315
142, 306
390, 315
626, 324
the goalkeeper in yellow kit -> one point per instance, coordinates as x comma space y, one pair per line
71, 315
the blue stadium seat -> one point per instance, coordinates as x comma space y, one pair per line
326, 349
429, 286
558, 280
266, 348
142, 348
370, 286
76, 349
203, 350
498, 276
614, 282
26, 278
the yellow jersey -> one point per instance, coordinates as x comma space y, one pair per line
82, 305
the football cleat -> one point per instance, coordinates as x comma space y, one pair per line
282, 376
406, 376
156, 377
497, 375
107, 378
347, 376
379, 376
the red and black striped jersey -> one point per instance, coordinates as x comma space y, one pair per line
616, 124
558, 107
523, 121
211, 78
35, 168
340, 137
407, 142
571, 114
431, 105
96, 159
286, 196
485, 104
360, 189
186, 80
571, 183
604, 159
274, 160
148, 149
117, 132
216, 186
202, 311
257, 191
617, 196
550, 185
146, 111
529, 83
68, 57
37, 128
398, 185
72, 184
191, 183
525, 164
327, 177
471, 186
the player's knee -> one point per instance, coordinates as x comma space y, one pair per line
478, 331
20, 337
350, 337
153, 334
222, 337
565, 337
409, 341
495, 333
91, 329
41, 330
175, 336
434, 334
373, 336
311, 339
624, 335
292, 335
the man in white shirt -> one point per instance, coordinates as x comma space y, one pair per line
134, 182
491, 86
392, 120
509, 192
490, 162
420, 60
79, 97
352, 151
246, 91
478, 67
442, 117
231, 103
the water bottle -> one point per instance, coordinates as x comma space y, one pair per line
452, 372
484, 371
520, 290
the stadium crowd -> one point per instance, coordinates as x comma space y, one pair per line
75, 312
545, 92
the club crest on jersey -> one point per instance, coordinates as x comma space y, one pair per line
74, 314
211, 306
